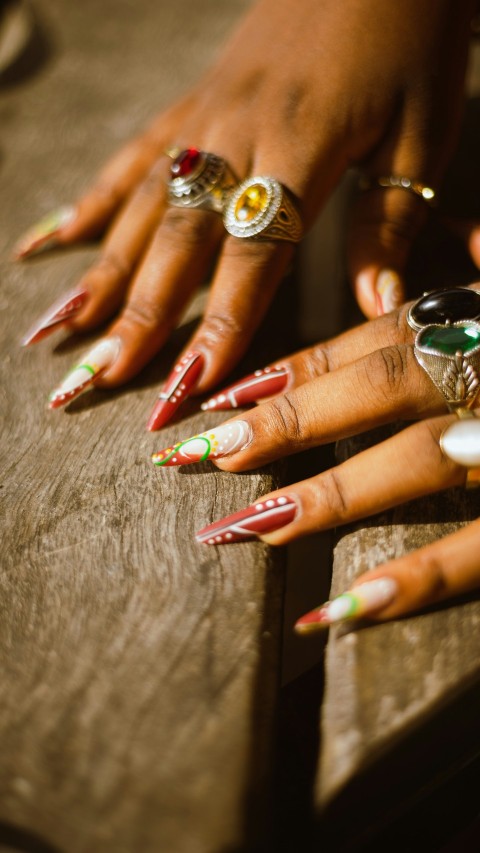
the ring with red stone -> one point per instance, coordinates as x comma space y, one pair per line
199, 179
261, 208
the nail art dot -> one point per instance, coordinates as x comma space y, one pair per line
221, 398
258, 373
182, 386
178, 368
174, 459
218, 538
270, 503
211, 541
228, 535
282, 501
259, 507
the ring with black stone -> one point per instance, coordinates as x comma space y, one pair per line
450, 305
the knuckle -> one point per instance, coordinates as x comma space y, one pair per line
285, 420
255, 255
153, 184
143, 312
218, 329
112, 265
188, 228
334, 497
106, 192
426, 577
387, 372
318, 362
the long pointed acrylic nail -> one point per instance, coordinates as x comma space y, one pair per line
44, 235
362, 600
95, 362
221, 441
65, 308
257, 386
176, 389
262, 517
388, 292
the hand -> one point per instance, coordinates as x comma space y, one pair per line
299, 97
366, 377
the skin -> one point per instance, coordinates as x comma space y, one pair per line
363, 82
371, 375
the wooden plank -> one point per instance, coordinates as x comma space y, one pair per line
401, 703
138, 669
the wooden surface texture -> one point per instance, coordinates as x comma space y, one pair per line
138, 669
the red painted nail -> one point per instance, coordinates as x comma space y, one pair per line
63, 309
262, 517
257, 386
176, 389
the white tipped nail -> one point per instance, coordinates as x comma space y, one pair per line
388, 289
43, 235
96, 361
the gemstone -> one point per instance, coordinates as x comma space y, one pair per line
461, 442
449, 340
442, 305
252, 201
186, 162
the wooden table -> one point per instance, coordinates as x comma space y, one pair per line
140, 671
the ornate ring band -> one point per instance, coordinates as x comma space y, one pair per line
260, 208
451, 305
399, 182
450, 355
199, 179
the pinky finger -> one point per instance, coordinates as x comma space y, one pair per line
445, 569
90, 215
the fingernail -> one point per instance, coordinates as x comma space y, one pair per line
262, 517
176, 389
213, 444
95, 362
68, 306
388, 291
44, 234
362, 600
257, 386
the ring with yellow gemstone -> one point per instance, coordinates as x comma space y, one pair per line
199, 179
260, 208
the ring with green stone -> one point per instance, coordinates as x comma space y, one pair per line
450, 355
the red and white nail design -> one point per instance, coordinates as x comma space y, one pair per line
176, 389
262, 517
80, 378
363, 600
44, 235
257, 386
221, 441
64, 309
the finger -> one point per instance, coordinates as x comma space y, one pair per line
97, 206
385, 385
355, 489
326, 357
445, 569
385, 221
107, 281
175, 264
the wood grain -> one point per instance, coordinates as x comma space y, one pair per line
138, 669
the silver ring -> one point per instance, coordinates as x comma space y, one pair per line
450, 355
199, 179
451, 305
399, 182
261, 208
